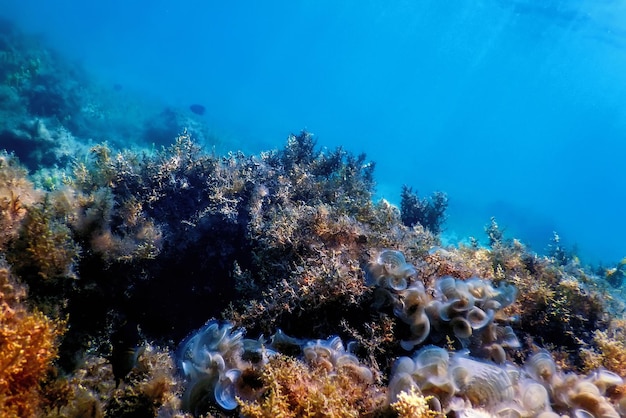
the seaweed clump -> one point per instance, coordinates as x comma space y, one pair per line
16, 194
428, 212
28, 346
151, 389
35, 241
287, 375
608, 349
412, 404
285, 242
288, 240
558, 306
44, 256
538, 387
294, 388
294, 221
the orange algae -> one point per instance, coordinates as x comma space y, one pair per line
295, 389
27, 348
610, 351
413, 405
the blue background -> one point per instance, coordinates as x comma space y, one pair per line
514, 108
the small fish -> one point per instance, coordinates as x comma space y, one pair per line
198, 109
117, 87
125, 350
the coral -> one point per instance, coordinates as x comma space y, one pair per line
412, 404
332, 355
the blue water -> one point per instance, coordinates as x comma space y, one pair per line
514, 108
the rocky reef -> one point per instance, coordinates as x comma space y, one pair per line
172, 281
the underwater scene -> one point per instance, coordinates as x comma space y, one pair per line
312, 209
